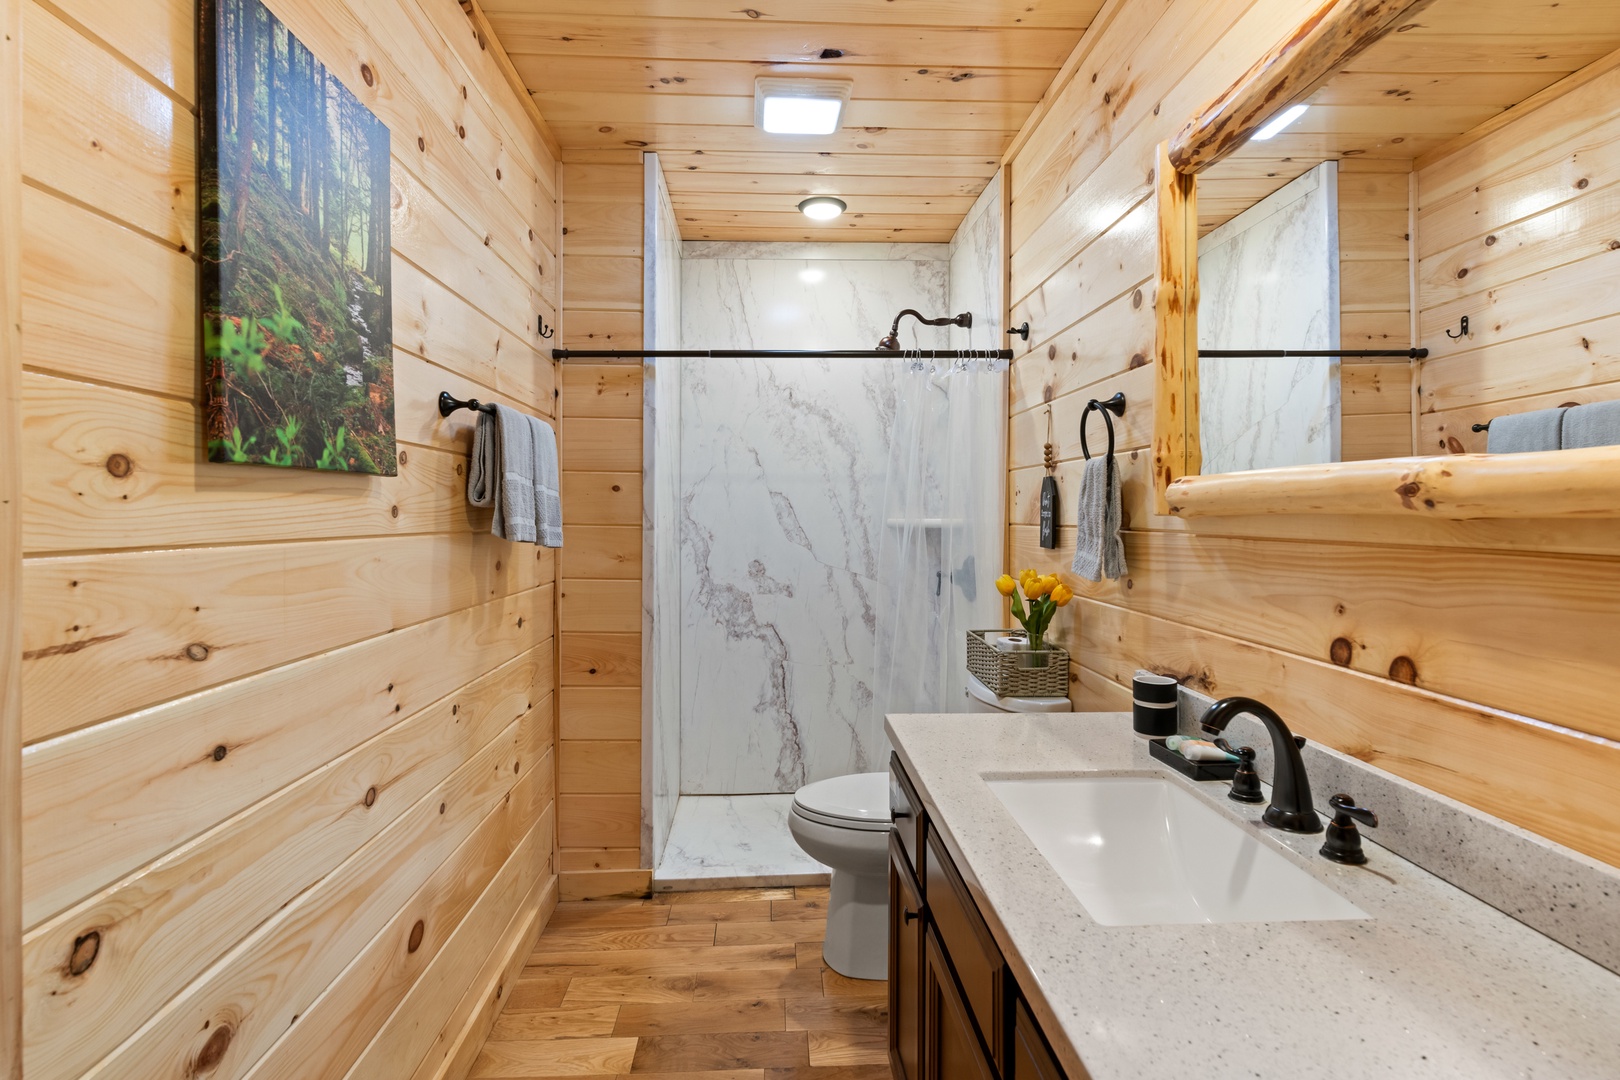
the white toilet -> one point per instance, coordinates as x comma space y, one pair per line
844, 823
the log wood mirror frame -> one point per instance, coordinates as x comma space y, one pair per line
1563, 483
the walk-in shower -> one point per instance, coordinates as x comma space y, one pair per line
784, 528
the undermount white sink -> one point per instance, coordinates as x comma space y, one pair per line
1139, 850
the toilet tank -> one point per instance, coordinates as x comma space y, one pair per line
981, 699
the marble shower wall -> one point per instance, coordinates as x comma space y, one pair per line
1269, 279
781, 490
977, 264
660, 493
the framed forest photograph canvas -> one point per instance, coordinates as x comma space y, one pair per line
297, 315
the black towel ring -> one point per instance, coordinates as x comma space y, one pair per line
1115, 405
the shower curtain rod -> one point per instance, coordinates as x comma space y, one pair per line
783, 354
1352, 354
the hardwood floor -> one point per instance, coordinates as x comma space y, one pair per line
720, 985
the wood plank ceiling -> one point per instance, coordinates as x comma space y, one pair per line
941, 87
1442, 73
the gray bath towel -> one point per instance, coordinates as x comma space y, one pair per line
547, 485
1100, 554
1520, 433
1597, 424
501, 473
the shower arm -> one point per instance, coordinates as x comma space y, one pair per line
892, 342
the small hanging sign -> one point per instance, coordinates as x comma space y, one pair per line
1049, 515
1049, 491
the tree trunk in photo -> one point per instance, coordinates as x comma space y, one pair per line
246, 61
297, 126
272, 101
377, 247
322, 156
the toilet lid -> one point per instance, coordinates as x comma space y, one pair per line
860, 800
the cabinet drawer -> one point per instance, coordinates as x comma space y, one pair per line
967, 941
906, 810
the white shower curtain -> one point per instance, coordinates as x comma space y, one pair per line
942, 542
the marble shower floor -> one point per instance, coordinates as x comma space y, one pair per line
733, 841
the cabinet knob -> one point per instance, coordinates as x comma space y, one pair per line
909, 915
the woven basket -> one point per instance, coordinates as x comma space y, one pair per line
1002, 675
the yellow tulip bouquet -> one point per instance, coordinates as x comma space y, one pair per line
1043, 594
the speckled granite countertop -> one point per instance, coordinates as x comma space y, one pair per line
1435, 984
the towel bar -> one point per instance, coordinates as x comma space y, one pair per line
448, 404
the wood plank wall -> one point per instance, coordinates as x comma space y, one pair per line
1375, 308
288, 786
599, 597
1460, 655
10, 545
1520, 231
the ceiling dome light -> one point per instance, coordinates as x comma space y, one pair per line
822, 208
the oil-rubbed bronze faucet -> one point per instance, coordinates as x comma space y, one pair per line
1290, 808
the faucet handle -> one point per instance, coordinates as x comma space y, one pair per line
1343, 840
1245, 782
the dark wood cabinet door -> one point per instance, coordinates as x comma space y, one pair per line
951, 1047
905, 966
1032, 1059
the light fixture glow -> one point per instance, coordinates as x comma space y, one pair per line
1288, 117
800, 106
822, 208
801, 115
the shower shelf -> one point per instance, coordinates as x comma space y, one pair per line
924, 523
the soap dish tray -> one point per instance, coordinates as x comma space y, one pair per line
1198, 770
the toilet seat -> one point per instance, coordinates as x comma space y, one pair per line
859, 801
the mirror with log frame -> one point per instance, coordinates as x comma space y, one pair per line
1326, 226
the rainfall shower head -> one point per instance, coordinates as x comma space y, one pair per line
891, 343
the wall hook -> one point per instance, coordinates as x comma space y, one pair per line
546, 331
1455, 337
1021, 330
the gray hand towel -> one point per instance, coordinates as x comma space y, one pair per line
1597, 424
1521, 433
501, 473
547, 490
1100, 554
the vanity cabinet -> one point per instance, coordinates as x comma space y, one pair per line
951, 1049
905, 966
955, 1012
1032, 1058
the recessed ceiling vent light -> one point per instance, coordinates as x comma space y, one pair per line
1288, 117
822, 208
800, 106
